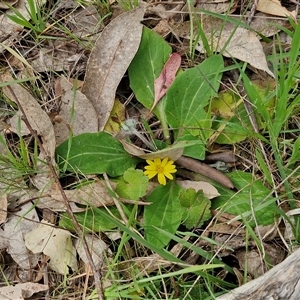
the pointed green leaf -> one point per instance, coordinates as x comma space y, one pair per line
146, 66
191, 91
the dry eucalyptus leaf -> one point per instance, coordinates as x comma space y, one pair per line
97, 248
94, 194
218, 7
52, 202
3, 4
209, 190
109, 60
14, 229
21, 291
40, 122
266, 25
76, 113
55, 243
4, 240
9, 30
274, 7
238, 43
173, 154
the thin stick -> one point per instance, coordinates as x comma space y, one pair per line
96, 274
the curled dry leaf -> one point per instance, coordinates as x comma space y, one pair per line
166, 78
209, 190
76, 114
22, 290
55, 243
109, 60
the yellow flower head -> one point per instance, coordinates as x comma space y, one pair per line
161, 168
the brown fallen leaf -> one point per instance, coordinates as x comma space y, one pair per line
21, 291
15, 229
39, 121
208, 189
274, 7
55, 243
166, 78
3, 207
76, 113
109, 60
132, 149
97, 248
238, 43
205, 170
233, 42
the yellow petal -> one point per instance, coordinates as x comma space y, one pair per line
151, 168
150, 162
167, 174
161, 179
170, 162
173, 170
150, 174
157, 161
164, 162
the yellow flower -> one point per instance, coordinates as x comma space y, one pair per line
161, 168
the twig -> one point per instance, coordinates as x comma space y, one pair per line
203, 169
96, 274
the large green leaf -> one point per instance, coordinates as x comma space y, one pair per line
165, 213
146, 66
252, 197
94, 153
191, 91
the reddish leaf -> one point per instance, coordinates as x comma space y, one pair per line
166, 77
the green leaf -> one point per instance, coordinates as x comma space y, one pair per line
165, 212
296, 153
91, 219
196, 208
146, 66
133, 185
196, 150
190, 94
94, 153
252, 195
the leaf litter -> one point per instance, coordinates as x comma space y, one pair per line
88, 110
